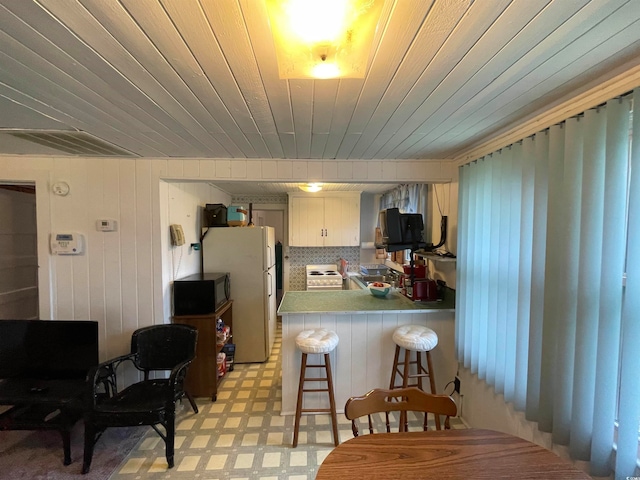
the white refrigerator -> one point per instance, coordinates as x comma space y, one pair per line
248, 254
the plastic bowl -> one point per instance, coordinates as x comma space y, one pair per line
380, 291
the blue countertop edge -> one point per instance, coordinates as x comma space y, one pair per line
354, 302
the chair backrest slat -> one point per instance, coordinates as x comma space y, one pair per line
161, 347
400, 400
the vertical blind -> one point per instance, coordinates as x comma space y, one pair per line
548, 228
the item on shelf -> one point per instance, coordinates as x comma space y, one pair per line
236, 216
223, 332
378, 243
222, 364
214, 215
419, 271
398, 256
343, 267
374, 269
229, 350
223, 335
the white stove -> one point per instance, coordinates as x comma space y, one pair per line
323, 277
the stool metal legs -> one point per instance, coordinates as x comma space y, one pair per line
301, 390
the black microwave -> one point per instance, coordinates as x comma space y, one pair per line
201, 294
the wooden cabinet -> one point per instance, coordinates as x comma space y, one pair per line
324, 220
202, 378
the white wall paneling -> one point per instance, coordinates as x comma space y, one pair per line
182, 204
364, 355
146, 198
123, 279
166, 265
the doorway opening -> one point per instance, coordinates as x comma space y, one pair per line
19, 247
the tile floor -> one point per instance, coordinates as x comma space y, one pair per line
240, 436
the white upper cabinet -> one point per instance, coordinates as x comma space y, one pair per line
324, 219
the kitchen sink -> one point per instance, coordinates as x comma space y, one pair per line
363, 280
372, 278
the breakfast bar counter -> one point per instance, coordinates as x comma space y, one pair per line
359, 301
364, 324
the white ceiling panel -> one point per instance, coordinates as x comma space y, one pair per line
199, 78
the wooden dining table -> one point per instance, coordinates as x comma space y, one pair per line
445, 454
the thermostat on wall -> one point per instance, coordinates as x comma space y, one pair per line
67, 243
106, 225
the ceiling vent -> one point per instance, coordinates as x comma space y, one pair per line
72, 143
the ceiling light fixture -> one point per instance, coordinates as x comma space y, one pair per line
323, 38
310, 187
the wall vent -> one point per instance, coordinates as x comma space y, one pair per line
72, 143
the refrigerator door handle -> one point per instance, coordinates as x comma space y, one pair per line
272, 257
269, 256
269, 283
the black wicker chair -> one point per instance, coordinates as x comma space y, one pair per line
148, 402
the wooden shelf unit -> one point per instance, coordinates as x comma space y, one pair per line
202, 378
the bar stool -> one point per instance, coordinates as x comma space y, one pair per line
417, 339
316, 341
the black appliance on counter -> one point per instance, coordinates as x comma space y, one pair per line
404, 231
401, 231
201, 293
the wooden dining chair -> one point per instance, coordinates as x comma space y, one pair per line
401, 400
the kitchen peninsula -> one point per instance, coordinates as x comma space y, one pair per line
364, 324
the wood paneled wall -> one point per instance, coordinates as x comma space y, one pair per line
123, 278
363, 359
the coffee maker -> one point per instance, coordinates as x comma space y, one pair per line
416, 286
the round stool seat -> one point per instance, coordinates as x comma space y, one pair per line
317, 340
415, 337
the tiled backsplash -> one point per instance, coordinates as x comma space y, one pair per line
299, 257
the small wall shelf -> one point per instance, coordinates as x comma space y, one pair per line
436, 258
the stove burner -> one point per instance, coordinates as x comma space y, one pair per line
315, 272
331, 272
